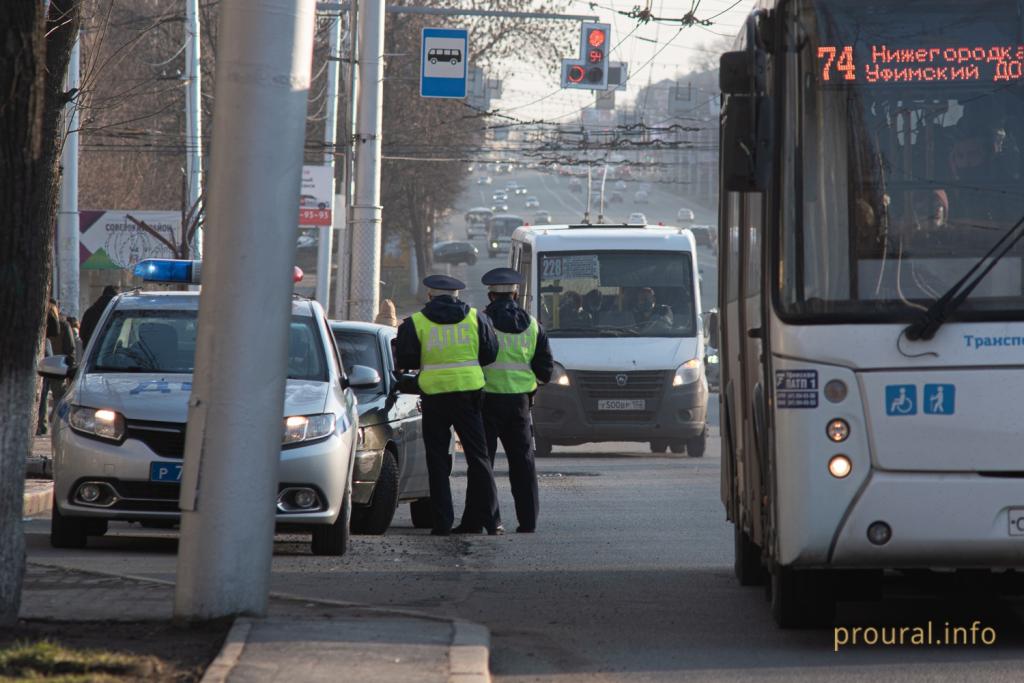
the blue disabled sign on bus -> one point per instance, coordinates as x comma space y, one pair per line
443, 57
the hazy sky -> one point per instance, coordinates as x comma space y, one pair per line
664, 50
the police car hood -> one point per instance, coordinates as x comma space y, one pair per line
623, 353
164, 397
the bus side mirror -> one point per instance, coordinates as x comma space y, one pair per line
746, 143
735, 73
712, 329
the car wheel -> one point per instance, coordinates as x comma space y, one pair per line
67, 532
696, 446
542, 448
677, 446
332, 539
422, 513
659, 445
376, 517
471, 261
747, 559
802, 598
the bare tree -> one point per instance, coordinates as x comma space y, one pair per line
37, 39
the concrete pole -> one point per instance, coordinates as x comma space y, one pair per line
233, 447
342, 286
67, 219
325, 243
193, 78
366, 211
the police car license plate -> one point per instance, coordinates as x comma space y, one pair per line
622, 404
165, 471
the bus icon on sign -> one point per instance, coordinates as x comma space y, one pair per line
436, 55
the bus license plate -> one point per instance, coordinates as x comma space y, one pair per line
165, 471
1016, 521
622, 404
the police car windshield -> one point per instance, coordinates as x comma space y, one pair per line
617, 294
164, 341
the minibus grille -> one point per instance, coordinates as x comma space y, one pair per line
648, 385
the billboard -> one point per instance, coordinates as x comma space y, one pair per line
317, 197
109, 241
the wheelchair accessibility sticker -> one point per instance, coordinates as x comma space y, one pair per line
936, 399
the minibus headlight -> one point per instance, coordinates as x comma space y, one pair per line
98, 422
559, 376
494, 245
299, 428
687, 373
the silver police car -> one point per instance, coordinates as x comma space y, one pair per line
119, 431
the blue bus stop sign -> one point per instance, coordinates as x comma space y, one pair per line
444, 53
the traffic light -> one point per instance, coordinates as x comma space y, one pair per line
590, 70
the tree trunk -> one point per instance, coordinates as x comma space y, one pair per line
32, 66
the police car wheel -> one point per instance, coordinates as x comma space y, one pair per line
376, 517
422, 513
333, 539
67, 532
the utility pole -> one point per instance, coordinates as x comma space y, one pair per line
67, 220
193, 78
233, 443
324, 245
366, 210
344, 262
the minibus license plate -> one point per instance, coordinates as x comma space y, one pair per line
165, 471
622, 404
1016, 521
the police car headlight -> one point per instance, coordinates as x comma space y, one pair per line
687, 373
97, 422
300, 428
559, 376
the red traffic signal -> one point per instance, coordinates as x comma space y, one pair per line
576, 74
596, 37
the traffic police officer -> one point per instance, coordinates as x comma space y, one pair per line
524, 358
450, 343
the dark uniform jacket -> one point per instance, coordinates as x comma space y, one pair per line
507, 316
92, 316
443, 310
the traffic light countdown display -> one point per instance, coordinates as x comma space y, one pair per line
590, 70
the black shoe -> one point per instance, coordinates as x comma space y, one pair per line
524, 530
464, 529
440, 532
496, 531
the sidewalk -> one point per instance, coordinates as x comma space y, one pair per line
300, 639
38, 495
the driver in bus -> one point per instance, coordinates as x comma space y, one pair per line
931, 209
592, 302
985, 154
647, 311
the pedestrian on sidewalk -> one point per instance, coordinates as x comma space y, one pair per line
386, 314
524, 359
92, 315
51, 340
450, 343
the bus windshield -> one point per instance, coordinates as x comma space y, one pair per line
504, 226
910, 121
616, 294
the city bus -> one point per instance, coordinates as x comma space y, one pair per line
499, 233
872, 286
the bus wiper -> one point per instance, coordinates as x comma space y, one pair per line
932, 319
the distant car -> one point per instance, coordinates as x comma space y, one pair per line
390, 462
521, 190
641, 197
532, 202
485, 180
542, 218
705, 236
685, 215
499, 196
512, 187
499, 208
455, 252
306, 241
637, 218
615, 198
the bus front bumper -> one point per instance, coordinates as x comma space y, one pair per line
956, 520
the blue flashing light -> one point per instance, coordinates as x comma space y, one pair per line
168, 270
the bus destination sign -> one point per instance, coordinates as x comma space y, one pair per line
841, 64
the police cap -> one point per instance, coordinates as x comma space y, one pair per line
443, 283
502, 280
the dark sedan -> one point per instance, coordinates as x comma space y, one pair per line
455, 252
390, 464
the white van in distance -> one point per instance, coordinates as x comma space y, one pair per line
621, 305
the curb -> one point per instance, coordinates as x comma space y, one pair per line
469, 653
38, 501
230, 652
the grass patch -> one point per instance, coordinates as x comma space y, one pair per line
47, 660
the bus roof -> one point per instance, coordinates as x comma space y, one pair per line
617, 236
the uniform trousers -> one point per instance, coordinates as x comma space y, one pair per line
507, 417
461, 410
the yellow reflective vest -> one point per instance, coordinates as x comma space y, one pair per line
511, 373
449, 355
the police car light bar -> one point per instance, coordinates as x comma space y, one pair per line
169, 270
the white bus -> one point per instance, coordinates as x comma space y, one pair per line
872, 284
621, 306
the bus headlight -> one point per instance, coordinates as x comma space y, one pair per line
494, 245
559, 376
299, 428
838, 430
100, 423
687, 373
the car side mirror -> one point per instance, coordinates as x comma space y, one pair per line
363, 377
55, 367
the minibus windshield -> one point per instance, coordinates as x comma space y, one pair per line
616, 294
